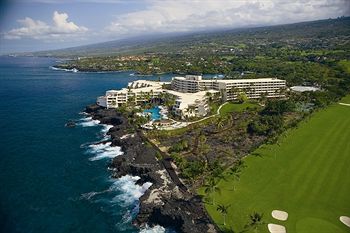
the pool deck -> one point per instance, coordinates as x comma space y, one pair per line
179, 124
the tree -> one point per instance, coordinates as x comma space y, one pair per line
223, 209
278, 107
169, 100
210, 188
209, 96
216, 170
191, 109
242, 97
255, 220
233, 92
203, 148
220, 123
236, 170
236, 173
263, 97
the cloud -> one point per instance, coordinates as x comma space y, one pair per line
36, 29
182, 16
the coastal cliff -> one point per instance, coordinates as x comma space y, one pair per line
167, 202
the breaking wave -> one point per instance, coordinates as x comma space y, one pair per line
74, 70
130, 191
123, 194
88, 122
155, 229
103, 150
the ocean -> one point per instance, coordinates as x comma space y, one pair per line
55, 179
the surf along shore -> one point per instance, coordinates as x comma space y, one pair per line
167, 202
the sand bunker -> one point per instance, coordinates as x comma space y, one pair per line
344, 104
274, 228
345, 220
279, 215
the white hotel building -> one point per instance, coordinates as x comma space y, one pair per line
191, 92
229, 88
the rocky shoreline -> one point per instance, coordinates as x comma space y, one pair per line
167, 202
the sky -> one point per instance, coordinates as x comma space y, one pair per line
34, 25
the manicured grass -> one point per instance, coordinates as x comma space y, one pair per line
345, 64
308, 176
233, 107
346, 100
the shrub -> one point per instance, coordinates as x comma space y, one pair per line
180, 146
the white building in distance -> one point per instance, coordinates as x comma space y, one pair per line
191, 92
230, 88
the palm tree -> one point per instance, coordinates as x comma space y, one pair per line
191, 109
236, 170
169, 100
236, 173
148, 97
223, 209
220, 123
229, 119
209, 96
217, 170
263, 97
242, 97
240, 163
211, 188
255, 220
233, 93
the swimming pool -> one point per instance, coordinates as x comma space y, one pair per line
155, 113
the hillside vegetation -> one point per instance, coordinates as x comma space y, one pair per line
313, 53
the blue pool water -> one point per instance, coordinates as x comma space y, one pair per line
55, 179
155, 113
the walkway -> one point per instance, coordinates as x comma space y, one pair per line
166, 162
217, 113
182, 124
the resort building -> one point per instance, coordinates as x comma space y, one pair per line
138, 91
191, 104
191, 92
230, 88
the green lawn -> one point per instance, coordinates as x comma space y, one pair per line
234, 107
308, 176
346, 100
345, 64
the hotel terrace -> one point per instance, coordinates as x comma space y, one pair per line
191, 92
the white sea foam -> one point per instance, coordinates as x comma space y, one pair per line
74, 70
106, 128
88, 122
155, 229
103, 150
126, 189
91, 195
131, 192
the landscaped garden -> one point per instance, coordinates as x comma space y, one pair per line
305, 173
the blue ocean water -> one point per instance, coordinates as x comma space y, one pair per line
52, 179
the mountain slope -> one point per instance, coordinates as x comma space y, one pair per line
172, 43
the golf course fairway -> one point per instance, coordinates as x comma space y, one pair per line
306, 174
